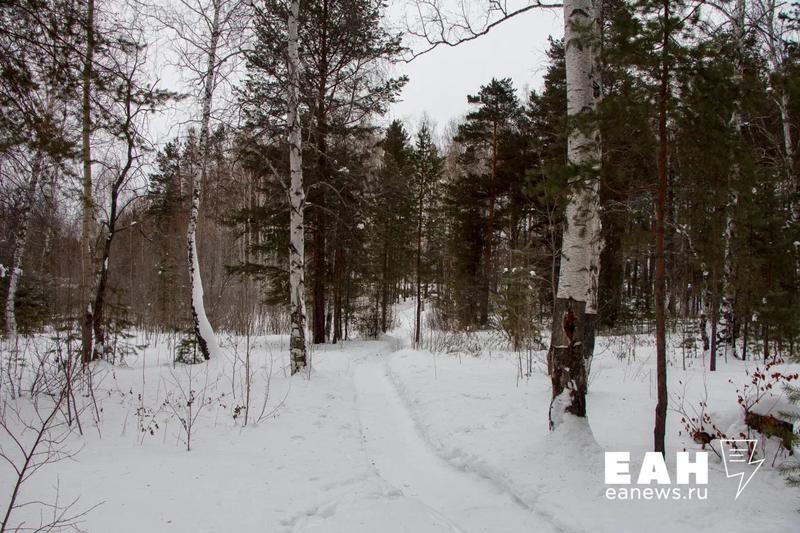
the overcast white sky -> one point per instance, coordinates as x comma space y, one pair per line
440, 80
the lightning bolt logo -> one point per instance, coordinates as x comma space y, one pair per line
737, 455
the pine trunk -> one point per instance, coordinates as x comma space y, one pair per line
575, 308
659, 430
320, 238
714, 321
418, 313
318, 289
728, 300
488, 251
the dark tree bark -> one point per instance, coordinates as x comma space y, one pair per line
659, 430
572, 345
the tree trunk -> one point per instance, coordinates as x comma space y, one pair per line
659, 430
297, 201
99, 350
87, 204
486, 282
319, 241
385, 281
20, 244
318, 288
745, 335
728, 300
418, 314
714, 320
102, 281
206, 340
338, 259
575, 308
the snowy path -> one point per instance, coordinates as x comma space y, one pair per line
404, 460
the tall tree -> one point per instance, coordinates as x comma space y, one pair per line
484, 132
575, 308
297, 200
133, 98
391, 215
660, 427
427, 175
208, 36
87, 203
37, 45
342, 46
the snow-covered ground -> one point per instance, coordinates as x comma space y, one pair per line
383, 438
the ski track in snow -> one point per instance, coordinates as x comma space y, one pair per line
404, 460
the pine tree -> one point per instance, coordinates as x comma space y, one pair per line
340, 45
427, 173
391, 221
483, 134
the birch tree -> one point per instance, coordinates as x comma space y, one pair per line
774, 31
208, 35
344, 49
575, 307
27, 197
37, 43
728, 303
297, 200
87, 207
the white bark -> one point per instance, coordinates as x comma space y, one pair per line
20, 244
772, 31
297, 341
575, 308
87, 203
205, 333
788, 143
582, 244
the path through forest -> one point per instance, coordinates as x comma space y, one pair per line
403, 459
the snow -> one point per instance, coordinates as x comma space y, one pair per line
198, 305
473, 414
382, 438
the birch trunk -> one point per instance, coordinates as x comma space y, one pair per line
297, 201
20, 244
206, 340
87, 204
575, 308
774, 45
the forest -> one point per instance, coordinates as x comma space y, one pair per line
218, 236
